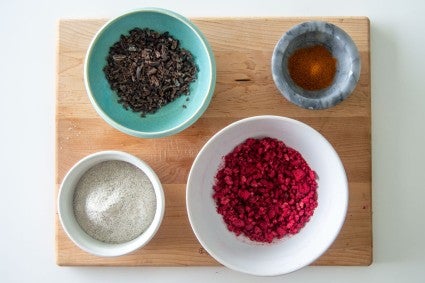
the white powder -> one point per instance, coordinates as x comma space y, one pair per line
114, 202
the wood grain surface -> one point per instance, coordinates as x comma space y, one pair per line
243, 49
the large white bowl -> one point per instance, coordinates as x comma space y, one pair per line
66, 210
288, 254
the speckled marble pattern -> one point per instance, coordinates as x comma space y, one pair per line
343, 49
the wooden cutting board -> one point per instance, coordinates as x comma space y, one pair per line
243, 48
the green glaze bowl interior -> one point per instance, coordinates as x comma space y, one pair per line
171, 118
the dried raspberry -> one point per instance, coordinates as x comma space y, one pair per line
265, 190
299, 174
228, 180
238, 223
244, 194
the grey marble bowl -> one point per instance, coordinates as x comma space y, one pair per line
342, 48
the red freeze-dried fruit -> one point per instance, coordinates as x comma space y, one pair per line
265, 190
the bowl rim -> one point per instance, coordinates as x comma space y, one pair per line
126, 247
229, 127
197, 113
288, 92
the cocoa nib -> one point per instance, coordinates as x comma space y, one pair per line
148, 70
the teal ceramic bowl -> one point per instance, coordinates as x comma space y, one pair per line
171, 118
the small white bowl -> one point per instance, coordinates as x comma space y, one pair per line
66, 210
290, 253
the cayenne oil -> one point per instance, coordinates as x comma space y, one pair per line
312, 68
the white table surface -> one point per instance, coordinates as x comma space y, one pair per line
28, 31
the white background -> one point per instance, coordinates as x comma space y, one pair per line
28, 32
